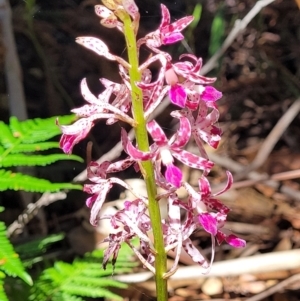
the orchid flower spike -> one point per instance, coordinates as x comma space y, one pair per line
157, 156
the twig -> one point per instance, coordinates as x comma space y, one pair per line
271, 140
239, 26
255, 177
32, 209
282, 176
277, 287
285, 260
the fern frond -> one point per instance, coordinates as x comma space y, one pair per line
37, 130
18, 181
36, 147
3, 296
10, 262
28, 137
65, 297
35, 160
92, 292
83, 278
30, 131
37, 246
97, 282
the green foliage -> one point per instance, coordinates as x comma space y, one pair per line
3, 296
32, 252
18, 181
10, 263
19, 143
83, 278
217, 32
189, 32
197, 12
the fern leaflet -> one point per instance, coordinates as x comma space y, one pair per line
35, 160
28, 137
3, 296
83, 278
18, 181
10, 262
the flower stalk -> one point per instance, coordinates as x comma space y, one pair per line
146, 166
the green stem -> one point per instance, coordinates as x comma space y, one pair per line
146, 166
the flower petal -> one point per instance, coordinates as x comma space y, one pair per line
192, 160
95, 45
182, 136
165, 16
194, 253
178, 95
211, 94
74, 133
102, 11
157, 133
178, 25
98, 202
132, 151
173, 175
131, 8
172, 38
208, 222
235, 241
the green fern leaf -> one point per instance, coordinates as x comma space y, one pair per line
6, 138
96, 282
30, 136
3, 296
37, 130
31, 131
35, 160
84, 291
77, 279
36, 147
10, 262
65, 297
37, 246
18, 181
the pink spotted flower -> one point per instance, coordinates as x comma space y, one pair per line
163, 151
167, 32
187, 86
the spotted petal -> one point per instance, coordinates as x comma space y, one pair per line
96, 45
208, 223
173, 175
74, 133
235, 241
131, 8
132, 151
156, 133
165, 16
193, 161
182, 136
101, 191
211, 94
178, 95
